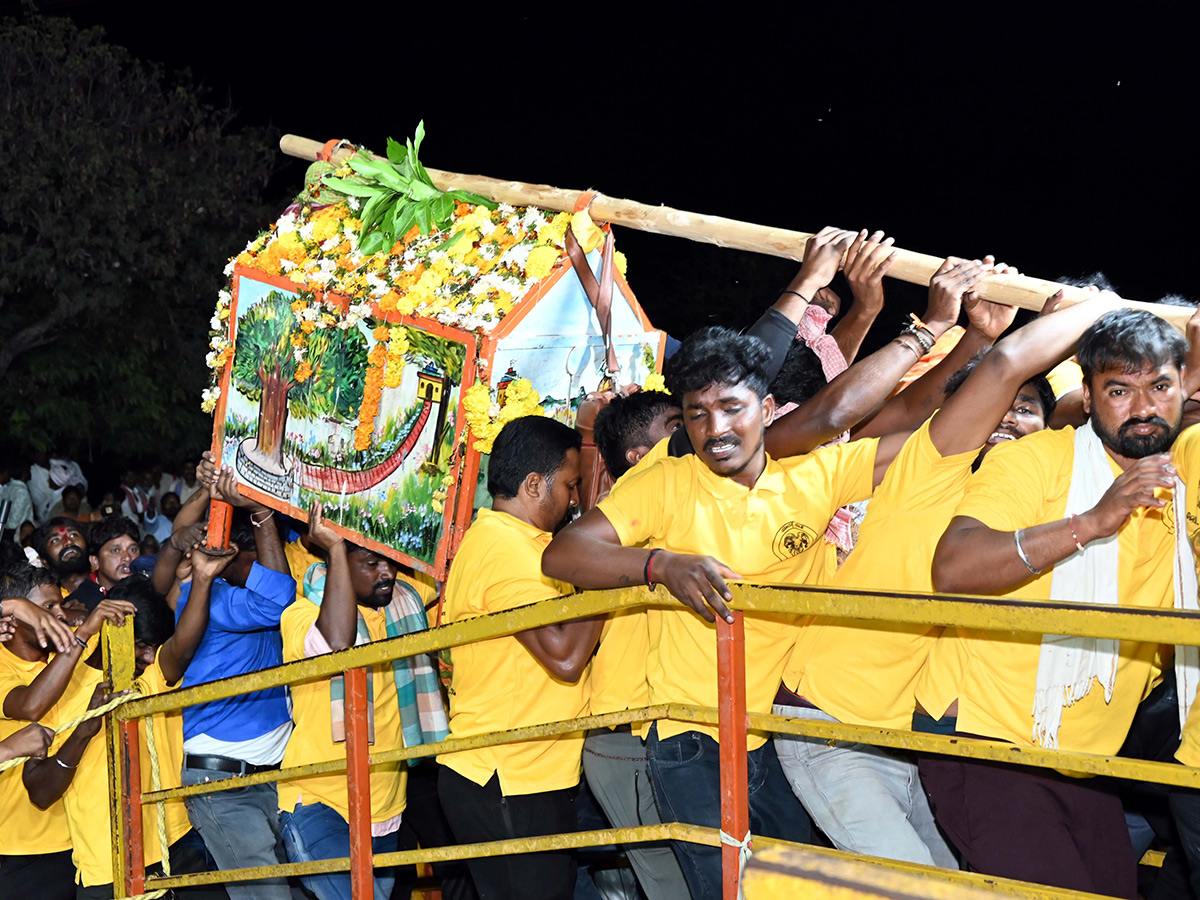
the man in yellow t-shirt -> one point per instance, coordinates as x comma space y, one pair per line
353, 599
631, 433
534, 677
76, 771
1021, 519
726, 512
35, 844
869, 799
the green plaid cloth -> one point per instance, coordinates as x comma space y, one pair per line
422, 713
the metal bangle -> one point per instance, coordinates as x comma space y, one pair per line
1021, 552
63, 764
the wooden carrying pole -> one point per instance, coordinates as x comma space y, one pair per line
917, 268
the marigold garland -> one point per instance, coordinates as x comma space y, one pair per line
485, 417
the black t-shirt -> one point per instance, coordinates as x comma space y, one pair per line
88, 593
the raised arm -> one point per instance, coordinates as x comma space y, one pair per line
971, 415
188, 529
867, 261
266, 537
589, 554
32, 701
972, 558
822, 258
52, 633
985, 322
338, 619
175, 655
859, 391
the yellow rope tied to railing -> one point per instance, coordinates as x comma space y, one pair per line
90, 714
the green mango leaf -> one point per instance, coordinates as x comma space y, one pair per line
395, 152
418, 137
422, 213
441, 210
372, 243
349, 187
403, 218
451, 241
468, 197
420, 191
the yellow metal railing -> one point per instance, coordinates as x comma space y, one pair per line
986, 613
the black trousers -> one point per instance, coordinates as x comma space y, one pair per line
188, 855
44, 875
477, 814
424, 825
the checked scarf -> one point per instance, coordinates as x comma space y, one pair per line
422, 714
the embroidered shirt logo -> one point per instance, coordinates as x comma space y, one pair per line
792, 539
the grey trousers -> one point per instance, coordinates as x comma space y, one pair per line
241, 829
614, 763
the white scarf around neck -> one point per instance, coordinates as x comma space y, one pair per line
1068, 666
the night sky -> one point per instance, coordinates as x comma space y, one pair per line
1061, 147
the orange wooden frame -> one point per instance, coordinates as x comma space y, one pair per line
470, 342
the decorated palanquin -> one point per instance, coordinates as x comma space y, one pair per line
373, 374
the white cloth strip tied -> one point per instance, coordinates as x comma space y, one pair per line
1068, 665
744, 854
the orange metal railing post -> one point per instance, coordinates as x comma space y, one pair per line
358, 786
131, 794
731, 694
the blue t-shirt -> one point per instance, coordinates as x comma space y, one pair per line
242, 636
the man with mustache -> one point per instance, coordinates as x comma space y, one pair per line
1074, 515
352, 599
112, 547
524, 789
63, 548
35, 845
729, 511
869, 799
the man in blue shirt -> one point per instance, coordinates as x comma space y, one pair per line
232, 621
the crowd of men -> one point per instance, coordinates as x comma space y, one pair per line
1045, 462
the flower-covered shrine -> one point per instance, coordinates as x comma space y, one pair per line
369, 364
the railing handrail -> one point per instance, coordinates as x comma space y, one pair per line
1152, 625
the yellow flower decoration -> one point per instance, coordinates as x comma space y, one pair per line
655, 382
620, 262
541, 261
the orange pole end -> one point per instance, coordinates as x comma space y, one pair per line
220, 517
731, 708
135, 854
358, 786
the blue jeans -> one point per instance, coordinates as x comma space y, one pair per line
315, 831
686, 775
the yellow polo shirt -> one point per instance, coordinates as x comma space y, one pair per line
312, 738
26, 829
497, 684
618, 674
770, 533
864, 672
298, 560
86, 798
1186, 456
1020, 485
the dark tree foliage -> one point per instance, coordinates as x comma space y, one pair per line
124, 193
